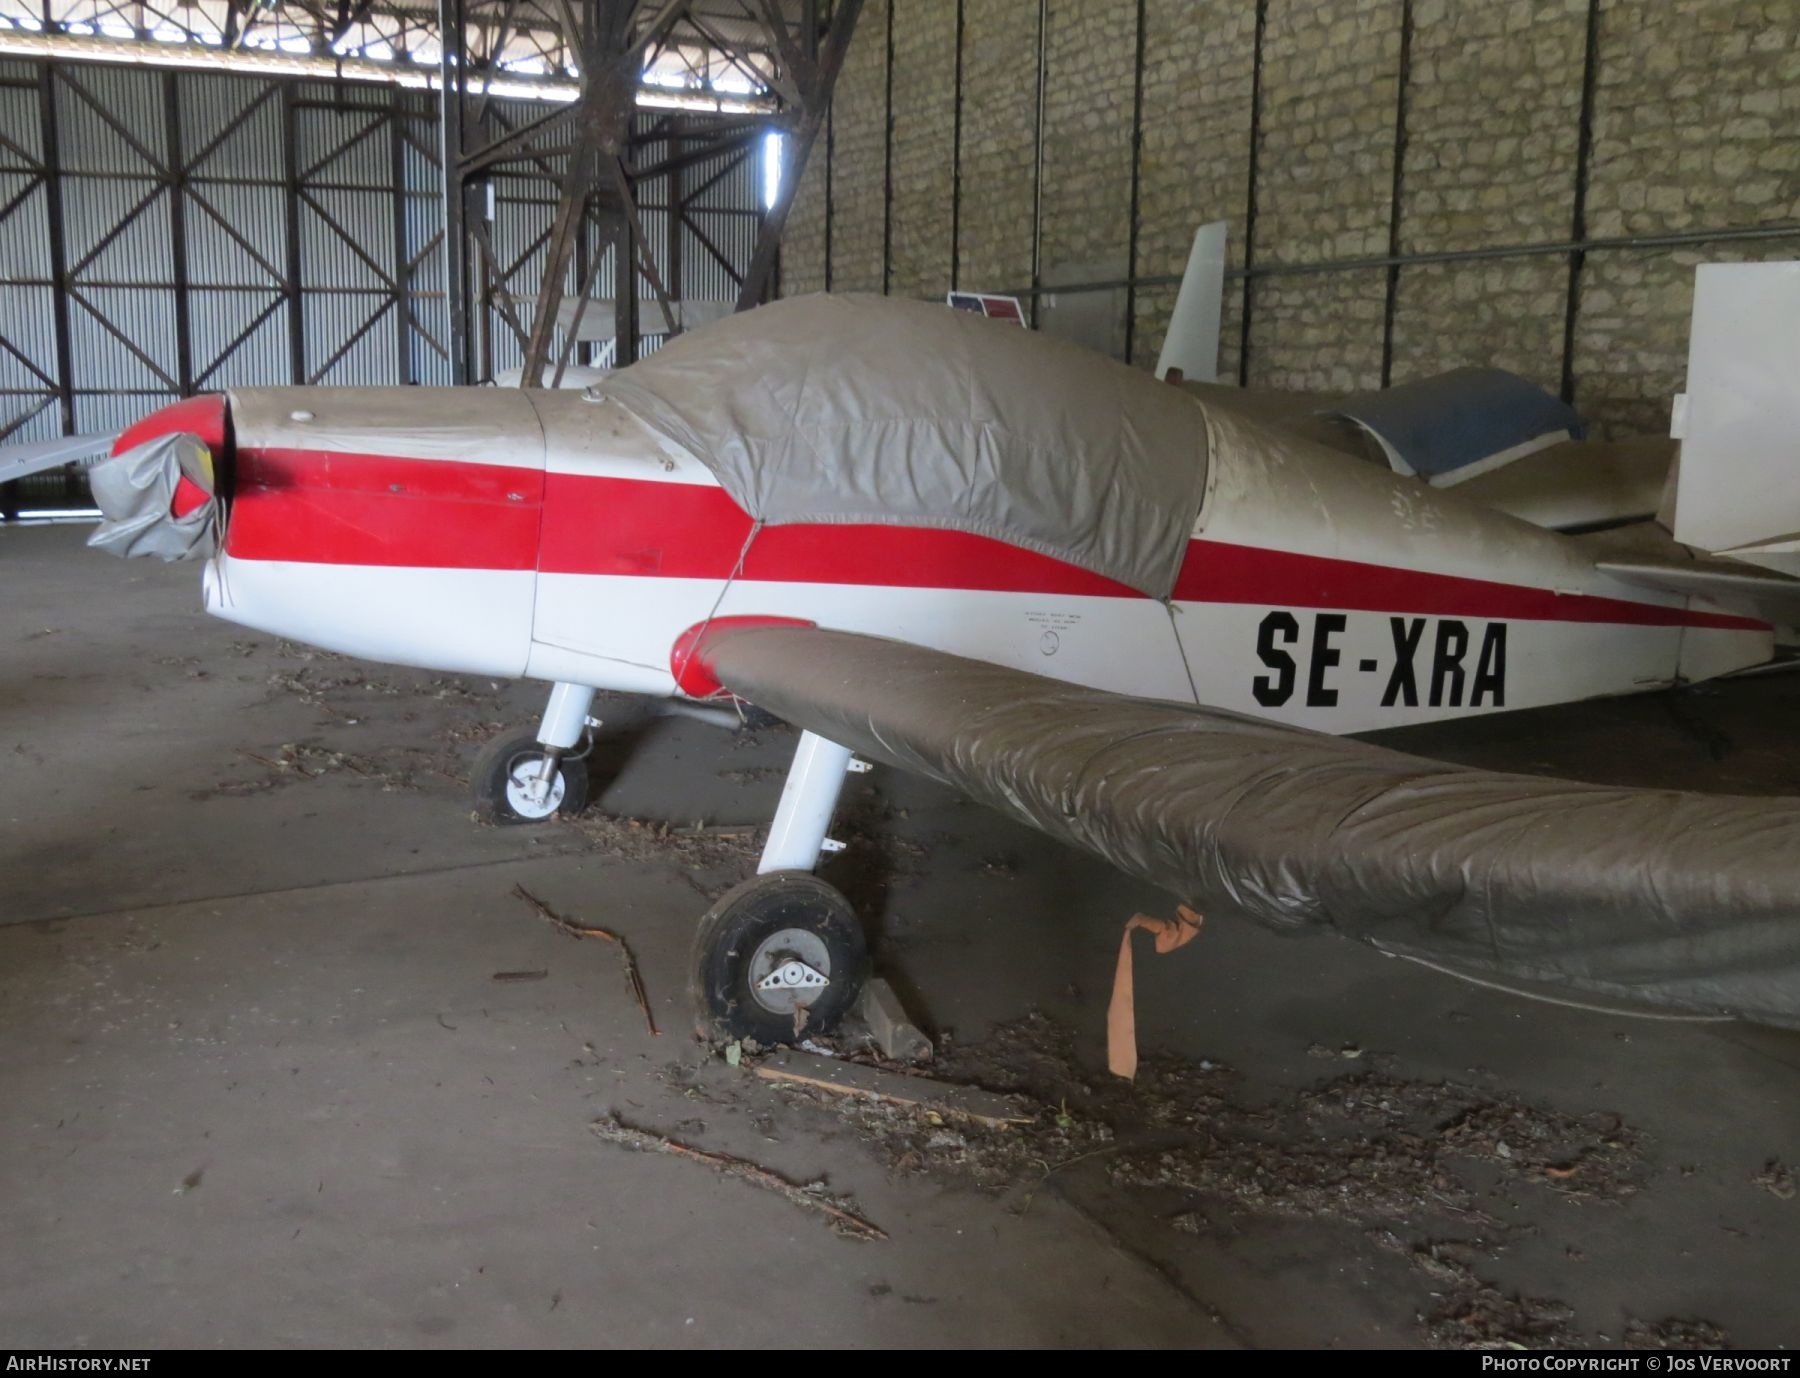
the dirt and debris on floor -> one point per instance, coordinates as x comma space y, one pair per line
1776, 1178
466, 713
1675, 1333
726, 854
839, 1212
1410, 1163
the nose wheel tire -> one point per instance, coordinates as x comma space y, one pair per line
508, 785
779, 958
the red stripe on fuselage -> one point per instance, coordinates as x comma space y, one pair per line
326, 508
688, 531
1215, 572
323, 507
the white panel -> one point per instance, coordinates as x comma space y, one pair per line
1739, 481
465, 621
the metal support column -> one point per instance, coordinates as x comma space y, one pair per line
451, 134
290, 158
58, 245
1584, 148
1391, 302
176, 182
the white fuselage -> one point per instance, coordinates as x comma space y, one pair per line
554, 537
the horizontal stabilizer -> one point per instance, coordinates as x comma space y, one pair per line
1681, 900
1774, 597
1646, 555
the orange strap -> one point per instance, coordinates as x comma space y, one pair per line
1121, 1014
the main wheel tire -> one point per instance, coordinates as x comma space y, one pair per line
751, 939
503, 771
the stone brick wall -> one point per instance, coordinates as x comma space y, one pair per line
859, 158
1696, 127
924, 151
1089, 54
1492, 122
803, 241
1000, 73
1325, 167
1195, 162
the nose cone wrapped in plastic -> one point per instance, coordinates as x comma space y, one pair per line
156, 498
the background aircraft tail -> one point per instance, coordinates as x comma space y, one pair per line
1736, 488
1192, 344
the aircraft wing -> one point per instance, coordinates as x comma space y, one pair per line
21, 461
1682, 900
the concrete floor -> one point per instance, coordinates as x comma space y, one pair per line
261, 1087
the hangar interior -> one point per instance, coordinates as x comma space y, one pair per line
301, 1052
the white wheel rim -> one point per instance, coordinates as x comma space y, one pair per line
779, 953
521, 777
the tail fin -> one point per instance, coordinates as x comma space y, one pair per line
1737, 491
1192, 344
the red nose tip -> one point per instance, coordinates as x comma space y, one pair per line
189, 496
201, 416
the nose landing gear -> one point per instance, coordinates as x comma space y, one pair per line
526, 777
517, 781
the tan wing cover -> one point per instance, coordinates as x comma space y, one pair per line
1683, 900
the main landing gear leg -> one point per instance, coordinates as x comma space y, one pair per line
782, 956
526, 777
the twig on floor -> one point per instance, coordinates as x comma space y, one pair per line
634, 982
844, 1220
293, 765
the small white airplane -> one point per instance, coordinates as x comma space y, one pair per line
1126, 613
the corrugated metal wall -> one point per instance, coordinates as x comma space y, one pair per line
212, 230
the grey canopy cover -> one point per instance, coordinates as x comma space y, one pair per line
1467, 416
134, 490
1683, 900
872, 410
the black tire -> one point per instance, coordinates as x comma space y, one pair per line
495, 765
731, 940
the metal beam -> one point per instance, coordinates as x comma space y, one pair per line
1403, 91
59, 261
1584, 148
290, 157
1250, 190
1137, 171
816, 82
178, 256
452, 72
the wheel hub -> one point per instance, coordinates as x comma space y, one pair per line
525, 790
789, 969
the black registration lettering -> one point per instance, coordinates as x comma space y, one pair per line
1324, 656
1278, 628
1490, 669
1447, 664
1403, 684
